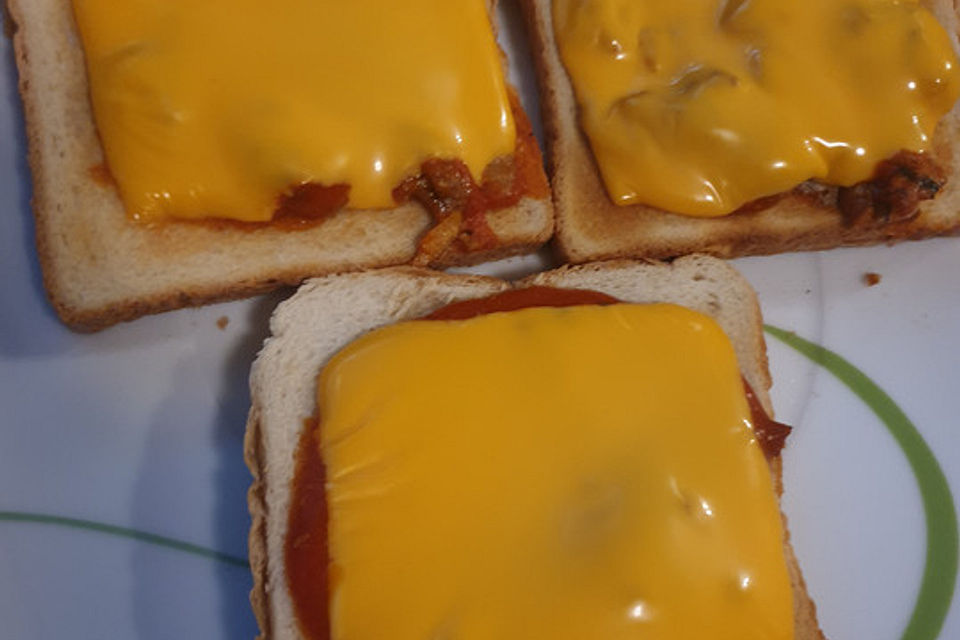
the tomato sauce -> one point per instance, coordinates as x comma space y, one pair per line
309, 203
305, 548
100, 173
514, 299
445, 187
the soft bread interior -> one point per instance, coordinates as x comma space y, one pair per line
327, 313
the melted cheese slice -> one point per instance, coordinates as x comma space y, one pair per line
699, 107
587, 472
216, 108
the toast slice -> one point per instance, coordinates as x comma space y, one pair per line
99, 268
591, 227
328, 313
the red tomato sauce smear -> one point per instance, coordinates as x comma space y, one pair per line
444, 187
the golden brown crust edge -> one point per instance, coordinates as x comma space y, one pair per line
806, 625
590, 227
100, 269
257, 540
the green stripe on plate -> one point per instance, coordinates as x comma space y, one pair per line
123, 532
940, 570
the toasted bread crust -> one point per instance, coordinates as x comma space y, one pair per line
591, 227
257, 540
99, 268
699, 282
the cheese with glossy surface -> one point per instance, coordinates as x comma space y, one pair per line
700, 106
549, 473
216, 108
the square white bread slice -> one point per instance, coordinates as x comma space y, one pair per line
99, 268
328, 313
591, 227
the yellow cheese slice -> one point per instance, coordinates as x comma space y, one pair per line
216, 108
698, 107
585, 472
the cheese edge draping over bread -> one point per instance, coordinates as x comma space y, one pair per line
591, 227
99, 268
283, 378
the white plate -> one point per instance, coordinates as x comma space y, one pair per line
139, 429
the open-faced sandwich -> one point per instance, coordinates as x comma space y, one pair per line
184, 152
741, 127
584, 454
